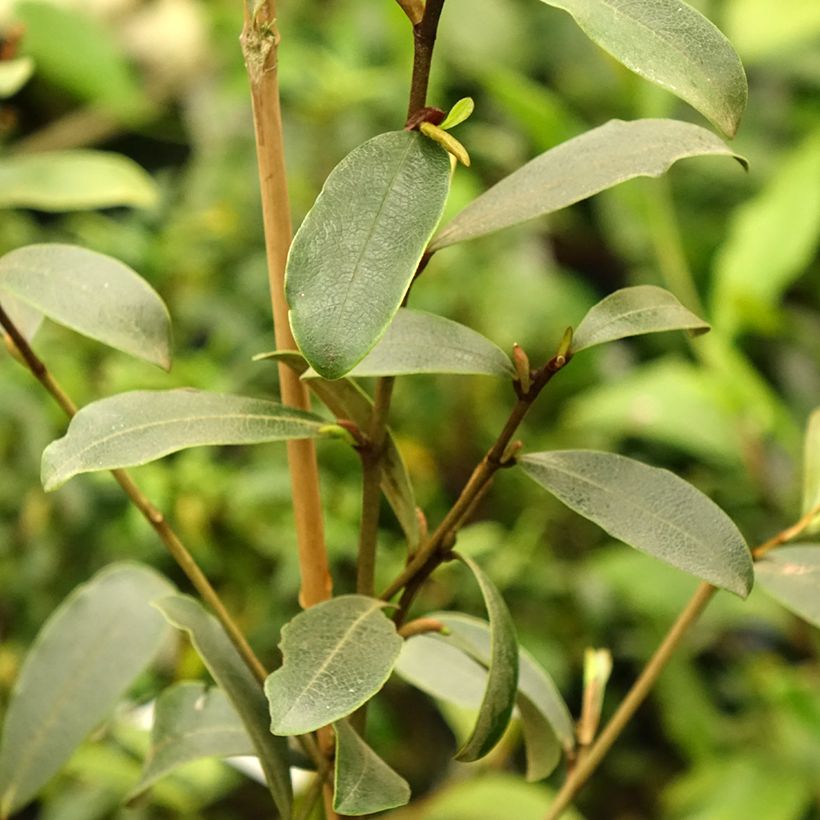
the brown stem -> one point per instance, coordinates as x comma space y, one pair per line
786, 535
260, 39
435, 550
151, 514
424, 40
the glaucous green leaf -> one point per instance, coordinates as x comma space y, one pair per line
346, 400
755, 264
421, 342
191, 722
92, 294
229, 670
84, 658
144, 425
76, 180
14, 74
632, 312
364, 783
791, 575
354, 256
579, 168
502, 676
673, 45
650, 509
335, 657
811, 469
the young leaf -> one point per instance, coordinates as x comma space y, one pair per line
650, 509
811, 469
92, 294
230, 672
458, 113
364, 783
502, 678
335, 657
85, 657
673, 45
346, 400
791, 575
75, 180
144, 425
420, 342
579, 168
447, 141
14, 74
632, 312
355, 254
191, 722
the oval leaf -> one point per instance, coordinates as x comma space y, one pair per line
93, 294
579, 168
335, 657
791, 575
673, 45
502, 677
191, 722
346, 400
458, 113
355, 254
811, 469
75, 180
420, 342
134, 428
14, 74
364, 783
632, 312
650, 509
85, 657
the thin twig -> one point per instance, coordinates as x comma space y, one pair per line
151, 514
789, 534
424, 40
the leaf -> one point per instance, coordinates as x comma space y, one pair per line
141, 426
335, 657
755, 265
791, 575
632, 312
502, 677
458, 113
346, 400
579, 168
191, 722
92, 294
671, 44
364, 783
14, 74
76, 180
811, 469
355, 254
447, 141
420, 342
84, 658
650, 509
230, 672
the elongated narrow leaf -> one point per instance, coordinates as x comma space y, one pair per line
76, 180
346, 400
230, 672
632, 312
85, 657
93, 294
191, 722
502, 677
811, 469
144, 425
364, 783
335, 657
355, 254
650, 509
579, 168
673, 45
14, 74
791, 575
420, 342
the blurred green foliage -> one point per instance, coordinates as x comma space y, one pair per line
733, 728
